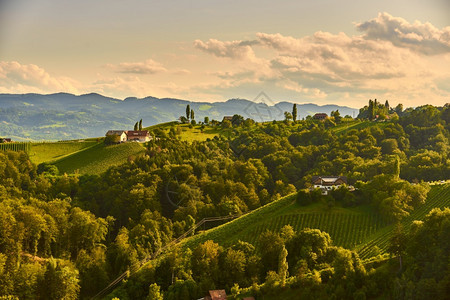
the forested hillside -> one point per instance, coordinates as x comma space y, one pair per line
69, 235
25, 117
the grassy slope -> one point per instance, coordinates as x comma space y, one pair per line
99, 158
190, 134
356, 228
48, 152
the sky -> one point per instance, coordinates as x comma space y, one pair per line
325, 52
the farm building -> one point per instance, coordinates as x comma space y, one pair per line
327, 183
121, 133
320, 116
131, 135
138, 136
216, 295
229, 118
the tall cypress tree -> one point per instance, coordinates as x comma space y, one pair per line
294, 112
192, 114
140, 124
188, 111
136, 126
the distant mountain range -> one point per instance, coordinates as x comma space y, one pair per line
65, 116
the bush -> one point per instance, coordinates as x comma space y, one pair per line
47, 169
112, 139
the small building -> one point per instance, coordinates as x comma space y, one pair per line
229, 118
216, 295
320, 116
5, 140
138, 136
121, 133
327, 183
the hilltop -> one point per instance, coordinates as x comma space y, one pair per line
65, 116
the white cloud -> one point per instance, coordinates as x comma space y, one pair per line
421, 37
20, 78
333, 66
147, 67
231, 49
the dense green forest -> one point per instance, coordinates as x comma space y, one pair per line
68, 236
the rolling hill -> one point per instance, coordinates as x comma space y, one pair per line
25, 117
98, 158
358, 228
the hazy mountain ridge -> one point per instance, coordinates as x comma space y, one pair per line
67, 116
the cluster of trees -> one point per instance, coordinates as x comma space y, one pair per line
78, 232
304, 259
190, 115
306, 262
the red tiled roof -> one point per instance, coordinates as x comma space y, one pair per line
218, 295
138, 133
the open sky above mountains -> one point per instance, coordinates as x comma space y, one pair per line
337, 52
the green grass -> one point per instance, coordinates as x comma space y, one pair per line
48, 152
355, 124
189, 134
359, 228
195, 134
98, 158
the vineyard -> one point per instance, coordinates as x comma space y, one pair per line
98, 158
346, 229
439, 196
363, 230
15, 147
48, 152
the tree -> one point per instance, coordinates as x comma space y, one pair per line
337, 116
237, 120
294, 112
399, 109
206, 120
386, 104
397, 243
371, 109
287, 116
60, 281
112, 139
140, 124
283, 266
192, 114
136, 126
154, 293
188, 111
388, 146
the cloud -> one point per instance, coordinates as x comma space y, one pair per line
231, 49
147, 67
20, 78
390, 58
421, 37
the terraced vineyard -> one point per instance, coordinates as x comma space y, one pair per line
346, 229
363, 230
439, 196
98, 158
15, 147
48, 152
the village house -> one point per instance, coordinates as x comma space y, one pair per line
229, 118
327, 183
121, 133
216, 295
131, 135
320, 116
138, 136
